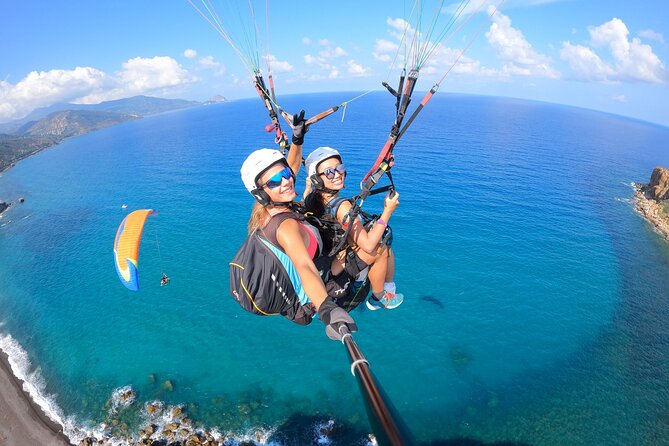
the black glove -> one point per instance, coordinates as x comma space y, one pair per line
334, 318
299, 128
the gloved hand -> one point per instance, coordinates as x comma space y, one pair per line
334, 318
299, 128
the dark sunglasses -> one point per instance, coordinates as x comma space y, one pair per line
276, 179
330, 173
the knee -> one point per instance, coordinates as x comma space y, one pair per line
382, 253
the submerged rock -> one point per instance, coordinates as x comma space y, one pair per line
327, 429
193, 440
154, 407
493, 400
3, 206
243, 409
459, 358
127, 395
177, 412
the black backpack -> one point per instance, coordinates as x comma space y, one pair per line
264, 281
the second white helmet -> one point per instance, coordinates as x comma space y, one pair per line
318, 156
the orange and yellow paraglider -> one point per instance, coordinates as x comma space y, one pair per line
126, 247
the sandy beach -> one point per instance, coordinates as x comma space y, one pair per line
22, 423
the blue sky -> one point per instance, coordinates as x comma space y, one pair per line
599, 54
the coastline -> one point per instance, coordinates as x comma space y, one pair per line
651, 210
22, 421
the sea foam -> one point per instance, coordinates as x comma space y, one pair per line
34, 385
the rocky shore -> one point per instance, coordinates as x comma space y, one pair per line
652, 200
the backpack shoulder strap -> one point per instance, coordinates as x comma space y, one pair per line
269, 231
333, 206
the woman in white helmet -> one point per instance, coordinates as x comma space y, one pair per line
327, 173
270, 179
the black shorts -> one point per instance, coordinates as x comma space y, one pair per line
353, 264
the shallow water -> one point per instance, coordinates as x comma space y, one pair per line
534, 312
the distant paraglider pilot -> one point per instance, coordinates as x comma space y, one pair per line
164, 280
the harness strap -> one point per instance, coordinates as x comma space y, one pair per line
269, 231
333, 206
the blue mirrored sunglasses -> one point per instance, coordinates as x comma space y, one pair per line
276, 179
330, 173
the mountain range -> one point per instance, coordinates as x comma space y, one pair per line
48, 126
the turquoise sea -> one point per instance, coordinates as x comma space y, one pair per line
536, 309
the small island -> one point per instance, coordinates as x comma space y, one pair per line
652, 200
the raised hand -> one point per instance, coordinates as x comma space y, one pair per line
300, 128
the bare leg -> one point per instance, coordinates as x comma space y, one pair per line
390, 270
378, 265
337, 265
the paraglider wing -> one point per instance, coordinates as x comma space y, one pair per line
126, 247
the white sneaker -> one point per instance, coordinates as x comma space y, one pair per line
388, 301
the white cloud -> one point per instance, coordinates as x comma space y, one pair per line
620, 98
384, 49
651, 35
525, 3
190, 54
516, 53
398, 24
306, 41
141, 75
629, 60
441, 58
585, 62
208, 62
40, 89
401, 30
331, 53
88, 85
385, 46
279, 66
329, 62
357, 70
382, 57
471, 8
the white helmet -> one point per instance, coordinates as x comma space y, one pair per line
317, 156
256, 163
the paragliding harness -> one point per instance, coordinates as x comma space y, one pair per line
351, 287
336, 232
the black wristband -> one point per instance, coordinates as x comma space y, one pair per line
298, 141
325, 309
